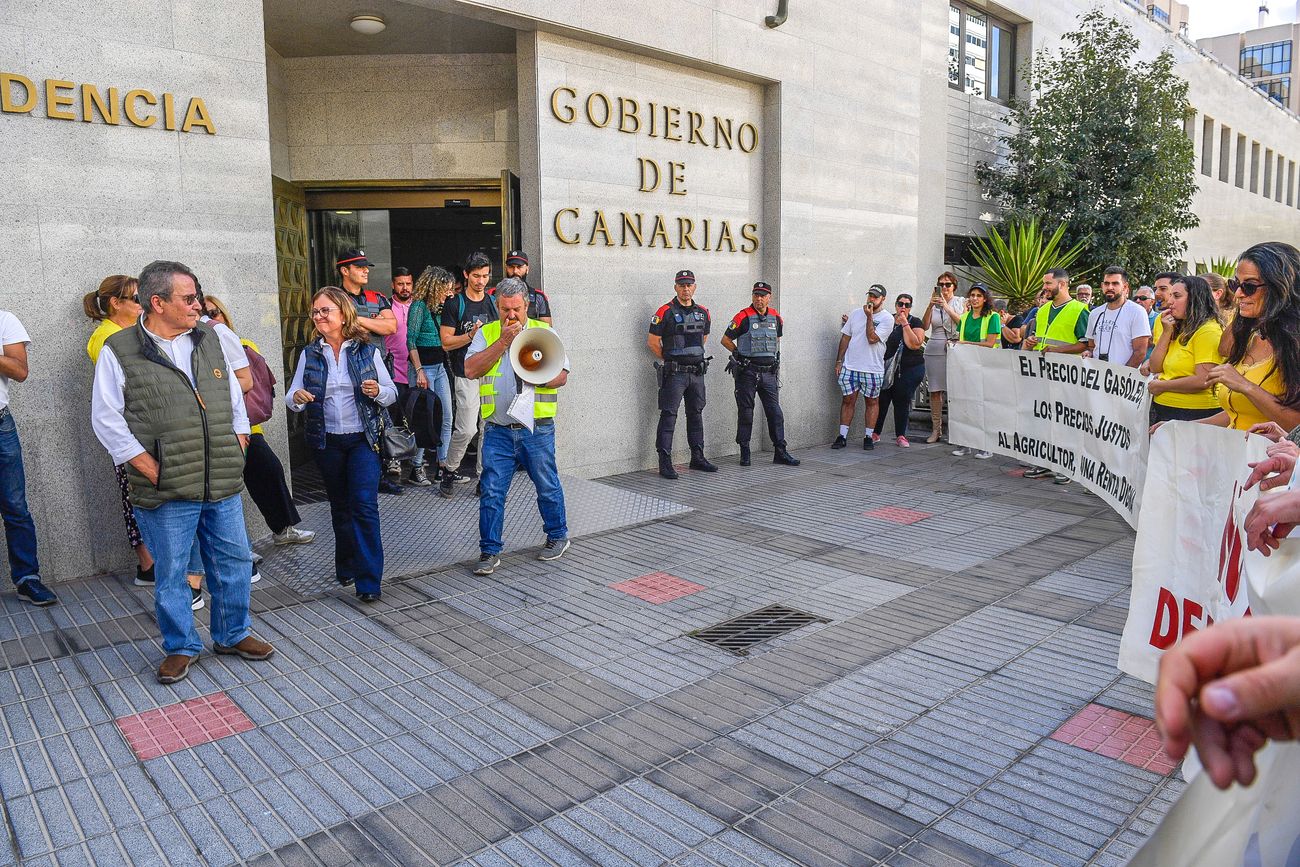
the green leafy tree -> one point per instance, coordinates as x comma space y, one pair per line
1100, 148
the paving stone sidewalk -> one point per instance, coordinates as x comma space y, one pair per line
954, 701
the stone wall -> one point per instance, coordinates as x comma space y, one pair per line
82, 200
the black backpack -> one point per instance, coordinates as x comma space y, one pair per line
424, 417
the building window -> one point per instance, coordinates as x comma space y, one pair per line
1278, 89
1207, 146
1263, 61
1159, 14
981, 54
1225, 153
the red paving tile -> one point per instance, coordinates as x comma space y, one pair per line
897, 515
658, 587
1118, 735
180, 726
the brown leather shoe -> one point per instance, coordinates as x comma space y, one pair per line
250, 648
175, 668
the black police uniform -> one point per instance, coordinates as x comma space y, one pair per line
681, 375
754, 366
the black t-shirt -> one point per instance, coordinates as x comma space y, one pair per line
461, 312
911, 357
1017, 321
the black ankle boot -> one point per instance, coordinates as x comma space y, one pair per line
701, 463
744, 456
666, 468
784, 457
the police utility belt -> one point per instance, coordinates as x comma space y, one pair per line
698, 366
739, 363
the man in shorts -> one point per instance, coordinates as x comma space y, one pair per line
860, 364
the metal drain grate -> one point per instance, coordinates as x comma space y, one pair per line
741, 633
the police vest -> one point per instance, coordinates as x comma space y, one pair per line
761, 340
545, 400
686, 327
985, 321
1061, 330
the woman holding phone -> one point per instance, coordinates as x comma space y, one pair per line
941, 317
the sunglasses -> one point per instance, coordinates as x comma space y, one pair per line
946, 283
903, 304
1247, 289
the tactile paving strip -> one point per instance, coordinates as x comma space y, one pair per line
180, 726
1118, 735
423, 532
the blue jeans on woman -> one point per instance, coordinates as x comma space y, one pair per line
350, 468
217, 530
505, 448
438, 384
20, 529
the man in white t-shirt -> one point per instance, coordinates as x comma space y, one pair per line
860, 364
20, 530
1120, 331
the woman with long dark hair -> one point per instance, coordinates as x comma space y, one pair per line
1186, 353
342, 384
982, 326
1260, 380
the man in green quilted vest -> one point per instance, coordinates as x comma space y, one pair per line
510, 443
166, 404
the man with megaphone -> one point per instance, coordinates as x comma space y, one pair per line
520, 365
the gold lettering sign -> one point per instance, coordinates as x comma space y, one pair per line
669, 123
68, 100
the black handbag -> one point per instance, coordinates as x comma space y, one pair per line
396, 442
423, 413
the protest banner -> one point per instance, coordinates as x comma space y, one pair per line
1083, 418
1189, 559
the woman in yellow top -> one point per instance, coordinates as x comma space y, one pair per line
982, 326
1260, 381
1186, 351
114, 306
263, 472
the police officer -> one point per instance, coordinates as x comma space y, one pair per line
753, 338
539, 306
678, 332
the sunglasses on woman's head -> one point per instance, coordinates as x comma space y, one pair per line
1245, 288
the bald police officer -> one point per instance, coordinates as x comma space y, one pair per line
753, 338
678, 332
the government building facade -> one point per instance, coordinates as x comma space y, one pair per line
818, 145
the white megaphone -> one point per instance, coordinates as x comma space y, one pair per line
537, 355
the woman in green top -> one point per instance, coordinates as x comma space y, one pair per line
428, 358
981, 325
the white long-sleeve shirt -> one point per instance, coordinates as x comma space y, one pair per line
107, 403
341, 415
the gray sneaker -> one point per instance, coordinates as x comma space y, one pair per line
553, 549
418, 478
487, 564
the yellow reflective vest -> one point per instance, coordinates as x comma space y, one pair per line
1061, 330
545, 400
985, 321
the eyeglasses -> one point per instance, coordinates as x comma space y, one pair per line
322, 312
1247, 289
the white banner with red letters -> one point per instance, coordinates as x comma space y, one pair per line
1082, 418
1189, 554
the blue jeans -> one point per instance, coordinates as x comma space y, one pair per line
20, 529
170, 531
438, 384
504, 449
350, 468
